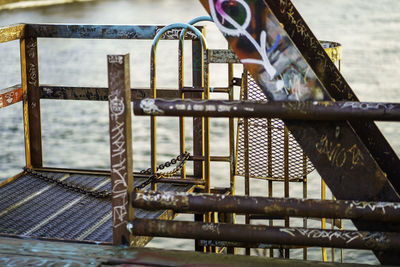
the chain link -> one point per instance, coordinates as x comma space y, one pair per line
70, 185
107, 194
181, 158
154, 177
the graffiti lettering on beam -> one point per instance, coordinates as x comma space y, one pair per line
346, 236
339, 155
374, 205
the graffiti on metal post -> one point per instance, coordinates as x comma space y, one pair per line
118, 145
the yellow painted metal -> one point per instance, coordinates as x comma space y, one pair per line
24, 82
153, 86
181, 118
305, 195
12, 32
231, 149
13, 178
334, 53
323, 220
286, 185
153, 123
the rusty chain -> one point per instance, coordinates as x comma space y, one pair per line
158, 175
69, 185
107, 194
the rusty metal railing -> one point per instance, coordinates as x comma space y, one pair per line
210, 234
31, 91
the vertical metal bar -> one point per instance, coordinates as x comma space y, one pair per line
231, 216
198, 124
286, 173
206, 130
153, 123
231, 135
207, 173
305, 195
270, 173
323, 220
120, 146
246, 147
181, 118
31, 104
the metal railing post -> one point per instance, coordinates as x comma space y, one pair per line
120, 147
31, 106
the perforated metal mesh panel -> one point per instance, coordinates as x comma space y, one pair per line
33, 207
266, 146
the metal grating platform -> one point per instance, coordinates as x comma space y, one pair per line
33, 207
266, 146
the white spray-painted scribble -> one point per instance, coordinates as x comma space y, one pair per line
367, 106
210, 108
330, 235
115, 59
164, 197
222, 108
374, 205
119, 189
117, 106
238, 30
280, 78
210, 227
198, 107
149, 106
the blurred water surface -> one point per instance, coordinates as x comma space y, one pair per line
75, 134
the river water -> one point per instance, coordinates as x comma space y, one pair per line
75, 134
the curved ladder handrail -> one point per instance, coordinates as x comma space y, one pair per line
194, 21
153, 75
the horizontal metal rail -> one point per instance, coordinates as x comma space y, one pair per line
98, 93
10, 96
288, 110
212, 158
12, 32
190, 180
272, 207
145, 32
266, 235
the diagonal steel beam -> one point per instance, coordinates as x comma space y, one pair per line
261, 41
